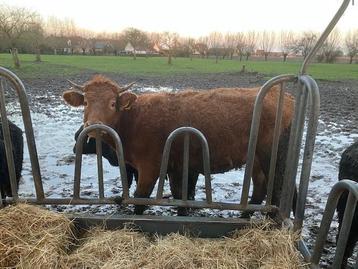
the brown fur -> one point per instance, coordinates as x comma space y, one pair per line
222, 115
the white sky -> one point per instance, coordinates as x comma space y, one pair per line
196, 17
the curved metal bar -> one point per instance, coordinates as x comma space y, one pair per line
323, 36
255, 124
165, 159
119, 150
336, 192
314, 99
26, 116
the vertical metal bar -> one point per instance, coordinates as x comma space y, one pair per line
276, 138
99, 164
297, 148
314, 102
26, 116
255, 124
292, 159
164, 167
8, 144
345, 230
206, 161
185, 167
78, 164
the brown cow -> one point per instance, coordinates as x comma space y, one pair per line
223, 115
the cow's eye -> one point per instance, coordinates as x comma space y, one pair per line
85, 103
113, 104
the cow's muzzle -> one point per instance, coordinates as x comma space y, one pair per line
93, 133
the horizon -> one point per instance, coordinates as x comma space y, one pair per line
158, 15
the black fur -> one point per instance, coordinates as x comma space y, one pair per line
18, 152
348, 169
108, 153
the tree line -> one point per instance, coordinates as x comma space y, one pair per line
23, 30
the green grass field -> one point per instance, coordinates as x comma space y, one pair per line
59, 65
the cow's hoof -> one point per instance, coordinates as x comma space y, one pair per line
139, 209
183, 211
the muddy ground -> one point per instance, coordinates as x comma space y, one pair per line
55, 124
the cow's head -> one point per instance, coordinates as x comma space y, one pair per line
103, 100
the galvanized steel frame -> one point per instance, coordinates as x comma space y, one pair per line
307, 95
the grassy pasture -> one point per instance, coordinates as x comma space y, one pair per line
67, 65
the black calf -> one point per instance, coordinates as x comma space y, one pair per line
348, 169
17, 150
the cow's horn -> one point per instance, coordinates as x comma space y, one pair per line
127, 87
75, 85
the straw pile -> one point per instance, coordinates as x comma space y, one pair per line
258, 247
32, 237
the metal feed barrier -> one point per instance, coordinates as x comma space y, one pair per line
307, 106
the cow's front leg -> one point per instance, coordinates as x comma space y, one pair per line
148, 175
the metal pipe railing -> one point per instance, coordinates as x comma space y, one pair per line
336, 192
120, 156
255, 124
165, 159
26, 116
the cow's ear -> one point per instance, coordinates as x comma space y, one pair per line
73, 98
126, 100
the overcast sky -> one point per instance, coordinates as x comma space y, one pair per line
196, 17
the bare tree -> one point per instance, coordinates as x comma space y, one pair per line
137, 38
250, 40
330, 49
230, 44
267, 41
169, 43
351, 43
187, 47
201, 46
240, 44
305, 43
215, 44
286, 43
14, 23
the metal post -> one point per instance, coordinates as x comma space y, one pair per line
185, 167
276, 138
314, 100
99, 164
8, 144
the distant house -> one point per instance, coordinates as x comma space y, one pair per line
102, 47
129, 49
